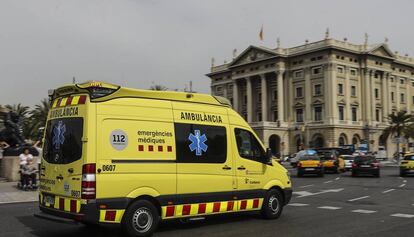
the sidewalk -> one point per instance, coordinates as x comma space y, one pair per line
10, 194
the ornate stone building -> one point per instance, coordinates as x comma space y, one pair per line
327, 93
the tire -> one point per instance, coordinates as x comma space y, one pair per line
140, 211
402, 173
272, 204
299, 174
354, 174
321, 174
377, 174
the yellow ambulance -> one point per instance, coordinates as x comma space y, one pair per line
137, 157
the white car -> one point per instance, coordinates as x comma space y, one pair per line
348, 160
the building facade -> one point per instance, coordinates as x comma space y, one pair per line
328, 93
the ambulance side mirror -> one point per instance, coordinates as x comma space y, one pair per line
268, 156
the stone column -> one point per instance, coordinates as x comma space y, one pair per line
249, 100
235, 96
367, 96
280, 96
264, 97
327, 94
397, 92
373, 98
408, 94
332, 90
384, 97
308, 97
347, 91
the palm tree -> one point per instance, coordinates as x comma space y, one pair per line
400, 125
158, 88
23, 112
38, 117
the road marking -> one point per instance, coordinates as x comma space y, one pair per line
337, 178
305, 186
402, 185
298, 204
355, 199
402, 215
363, 211
329, 208
389, 190
306, 193
327, 182
404, 181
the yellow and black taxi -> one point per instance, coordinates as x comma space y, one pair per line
407, 165
329, 159
310, 164
134, 158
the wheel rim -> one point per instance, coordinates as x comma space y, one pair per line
273, 204
142, 220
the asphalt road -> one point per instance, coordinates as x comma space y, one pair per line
335, 205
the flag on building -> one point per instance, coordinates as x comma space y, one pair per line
261, 34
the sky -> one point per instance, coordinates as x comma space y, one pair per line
137, 43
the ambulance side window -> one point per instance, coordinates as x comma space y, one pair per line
200, 143
248, 146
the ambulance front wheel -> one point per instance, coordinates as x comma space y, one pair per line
140, 219
272, 204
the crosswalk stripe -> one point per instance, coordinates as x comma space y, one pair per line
363, 211
330, 208
298, 204
402, 215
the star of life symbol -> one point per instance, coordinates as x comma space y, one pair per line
198, 142
59, 135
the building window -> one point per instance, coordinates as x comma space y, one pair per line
413, 99
298, 74
231, 87
412, 84
353, 90
299, 115
376, 93
392, 97
340, 89
402, 81
354, 113
275, 116
377, 115
317, 89
316, 70
231, 102
259, 97
340, 70
219, 89
259, 116
402, 98
274, 95
299, 92
392, 79
318, 113
341, 112
353, 72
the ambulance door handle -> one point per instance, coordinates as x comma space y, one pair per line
241, 168
226, 167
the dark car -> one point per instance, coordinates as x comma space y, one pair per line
365, 165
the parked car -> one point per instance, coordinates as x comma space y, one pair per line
310, 164
348, 160
365, 165
407, 165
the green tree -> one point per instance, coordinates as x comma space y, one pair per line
38, 117
158, 88
400, 126
23, 112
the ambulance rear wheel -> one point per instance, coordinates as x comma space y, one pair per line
272, 204
140, 219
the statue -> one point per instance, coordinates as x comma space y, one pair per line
12, 135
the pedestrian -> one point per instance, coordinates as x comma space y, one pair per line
28, 172
25, 156
3, 146
38, 147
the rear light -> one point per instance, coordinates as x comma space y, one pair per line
88, 190
299, 164
375, 164
354, 165
320, 164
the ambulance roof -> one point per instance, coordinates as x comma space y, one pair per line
101, 91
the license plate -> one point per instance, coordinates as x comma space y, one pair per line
49, 200
310, 169
365, 166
